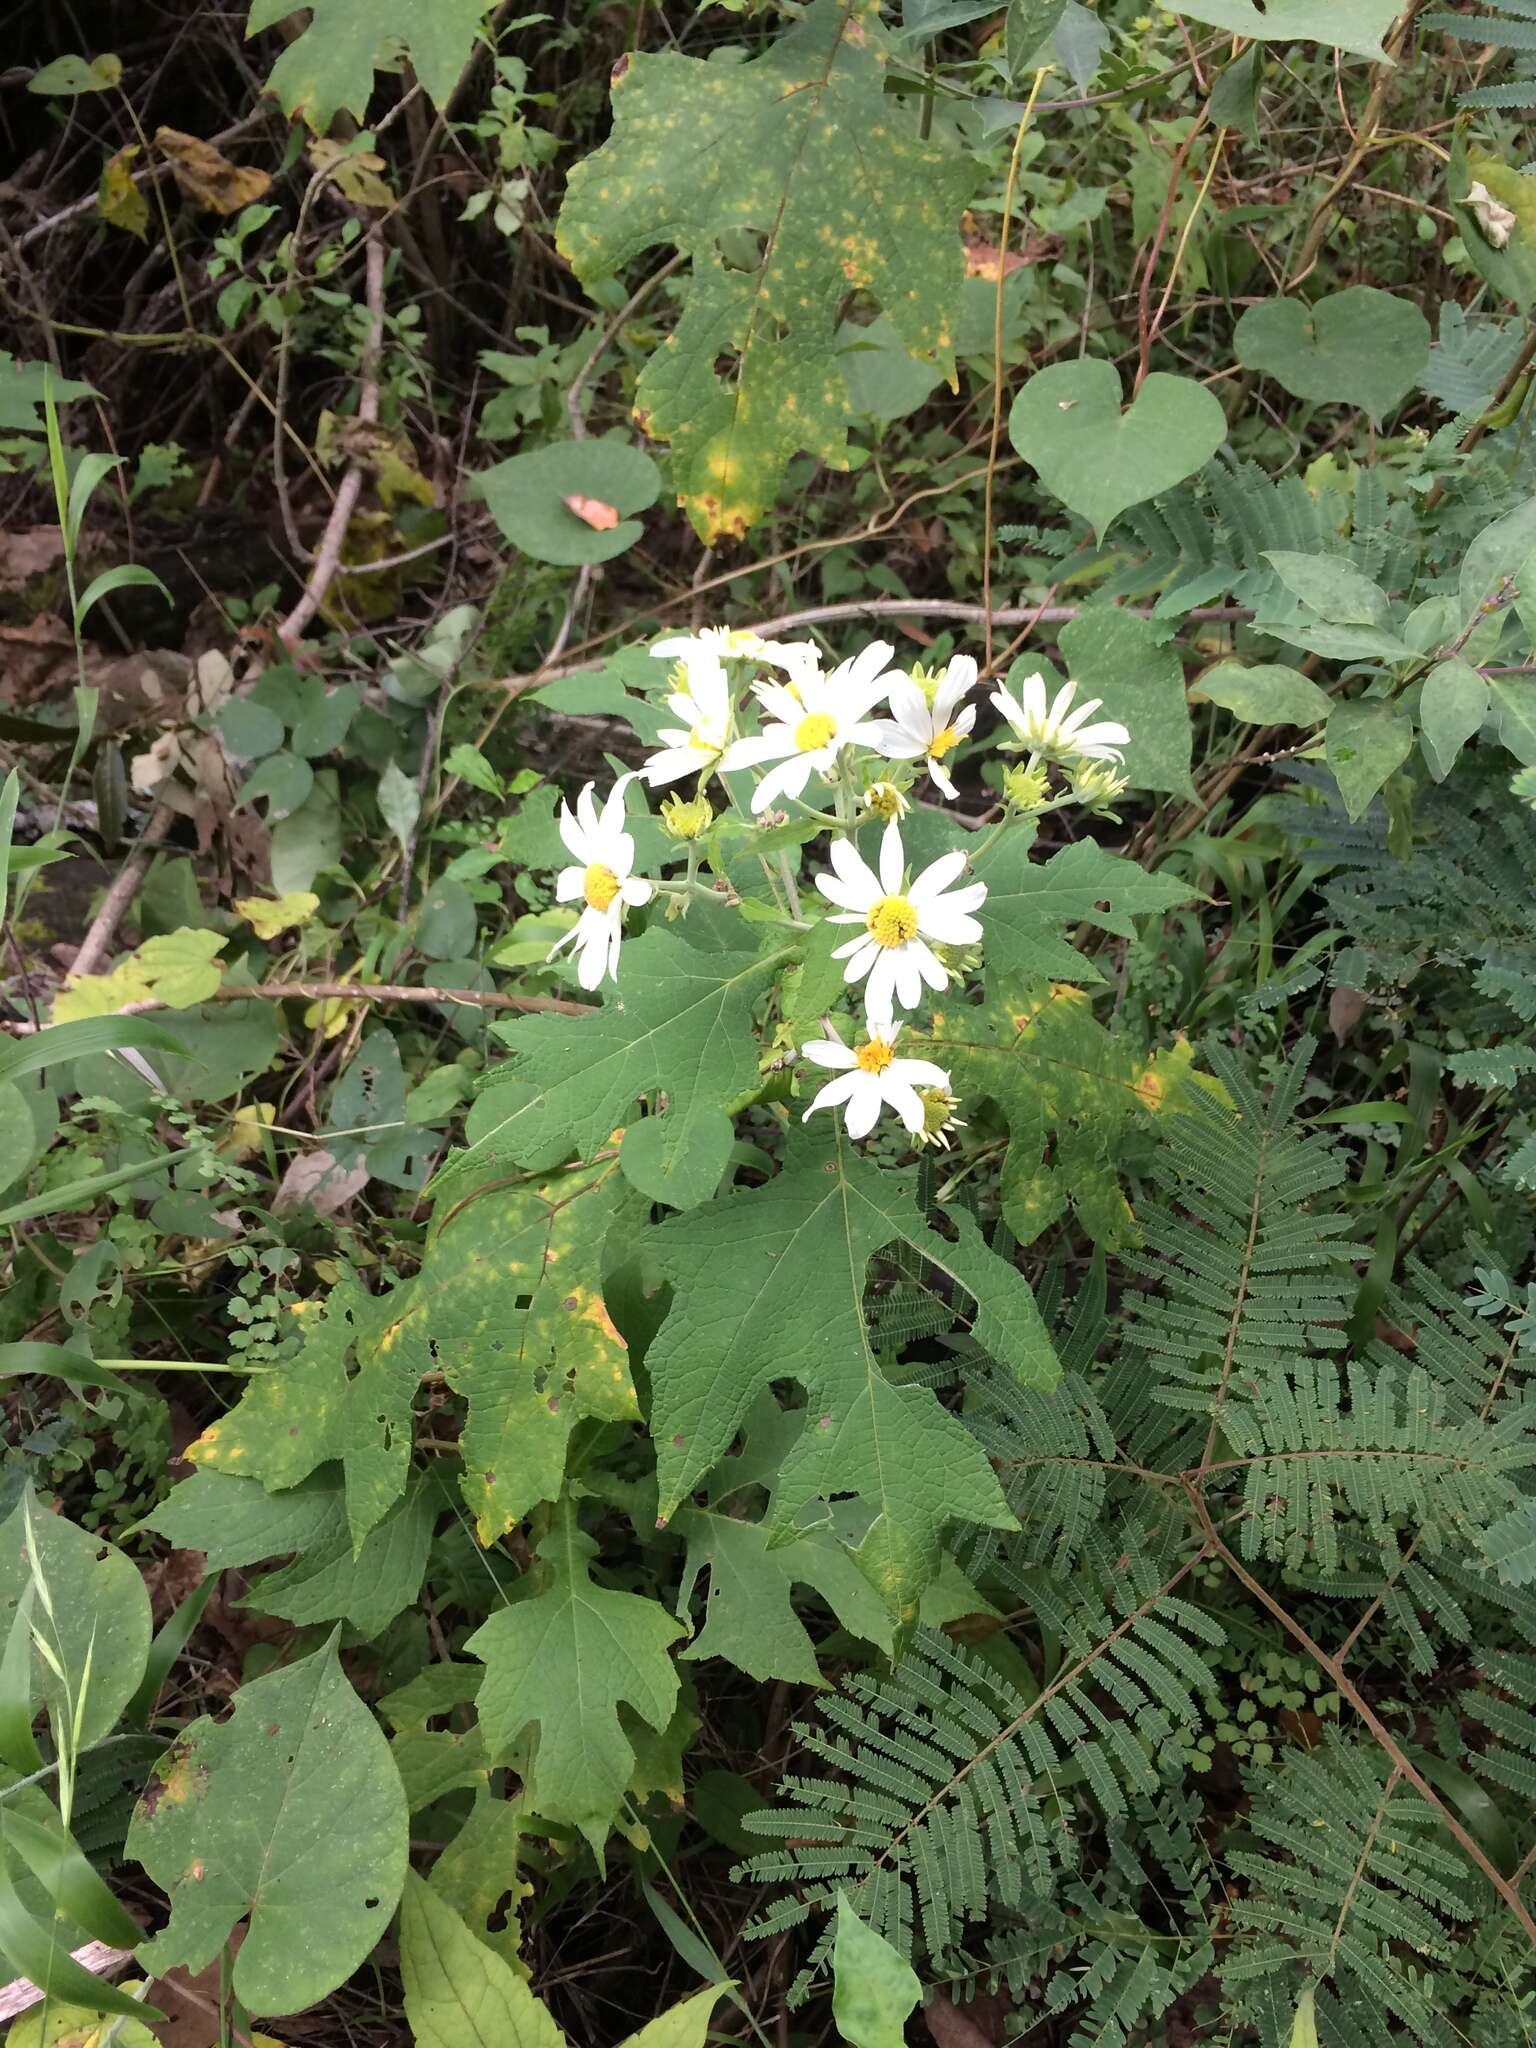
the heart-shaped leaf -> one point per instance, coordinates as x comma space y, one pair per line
1099, 455
1359, 347
1353, 25
1365, 744
530, 498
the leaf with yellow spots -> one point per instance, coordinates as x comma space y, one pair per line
768, 1284
347, 1395
801, 147
508, 1305
299, 1794
1066, 1091
561, 1662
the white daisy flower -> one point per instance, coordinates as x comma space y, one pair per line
796, 658
603, 878
871, 1078
929, 722
1056, 730
701, 700
812, 718
899, 918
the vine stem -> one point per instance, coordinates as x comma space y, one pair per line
1346, 1687
328, 554
997, 358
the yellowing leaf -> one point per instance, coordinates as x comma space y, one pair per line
181, 967
97, 995
803, 145
206, 176
119, 201
354, 172
246, 1128
270, 915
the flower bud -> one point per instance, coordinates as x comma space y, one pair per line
1027, 789
885, 800
686, 817
1097, 785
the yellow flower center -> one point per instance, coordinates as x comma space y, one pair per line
875, 1057
815, 731
892, 921
943, 742
599, 886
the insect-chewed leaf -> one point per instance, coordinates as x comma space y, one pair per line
768, 1284
802, 147
509, 1305
1028, 902
291, 1812
562, 1661
207, 176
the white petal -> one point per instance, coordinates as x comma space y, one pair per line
896, 744
586, 811
569, 884
862, 882
782, 703
937, 876
917, 1073
893, 859
828, 1052
773, 745
575, 836
863, 1111
614, 808
949, 927
903, 1100
833, 1092
1011, 709
971, 897
592, 960
635, 892
909, 977
929, 965
880, 990
673, 764
908, 702
850, 895
861, 954
941, 781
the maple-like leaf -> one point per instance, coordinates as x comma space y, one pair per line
1029, 901
768, 1284
509, 1306
802, 147
330, 64
680, 1026
560, 1662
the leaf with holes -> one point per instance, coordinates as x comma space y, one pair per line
768, 1284
509, 1305
561, 1662
802, 147
290, 1812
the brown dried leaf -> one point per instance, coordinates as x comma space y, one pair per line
206, 176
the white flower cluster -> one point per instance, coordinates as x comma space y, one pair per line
811, 721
